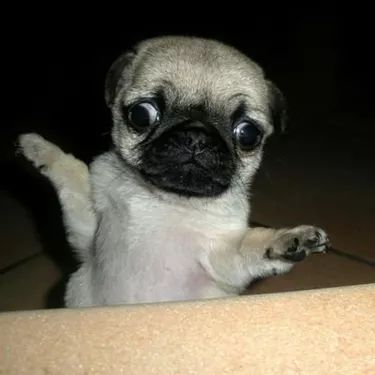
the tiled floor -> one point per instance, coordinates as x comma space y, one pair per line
312, 177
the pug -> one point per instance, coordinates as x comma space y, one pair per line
163, 216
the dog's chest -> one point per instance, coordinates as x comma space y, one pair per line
151, 253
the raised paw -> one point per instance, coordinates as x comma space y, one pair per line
295, 244
39, 151
64, 170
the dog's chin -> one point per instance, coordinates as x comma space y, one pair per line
189, 180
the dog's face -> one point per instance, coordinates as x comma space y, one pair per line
191, 115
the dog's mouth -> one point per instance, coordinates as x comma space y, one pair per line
189, 162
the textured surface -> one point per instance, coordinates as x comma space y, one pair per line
330, 331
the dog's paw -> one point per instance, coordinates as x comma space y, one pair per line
295, 244
39, 151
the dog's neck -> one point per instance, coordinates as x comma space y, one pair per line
232, 206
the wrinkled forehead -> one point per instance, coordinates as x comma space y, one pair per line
195, 76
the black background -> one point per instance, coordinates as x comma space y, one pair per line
323, 64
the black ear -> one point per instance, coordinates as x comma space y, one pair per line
278, 108
115, 76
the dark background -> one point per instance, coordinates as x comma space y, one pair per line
322, 63
53, 84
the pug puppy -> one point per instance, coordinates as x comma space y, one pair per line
163, 215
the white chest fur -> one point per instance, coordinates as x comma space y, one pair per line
147, 247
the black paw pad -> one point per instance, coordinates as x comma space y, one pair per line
292, 249
295, 256
312, 242
268, 253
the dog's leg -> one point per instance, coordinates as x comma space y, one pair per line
70, 177
261, 252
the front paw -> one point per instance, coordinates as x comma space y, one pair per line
295, 244
38, 150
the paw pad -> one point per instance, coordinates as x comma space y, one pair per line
297, 256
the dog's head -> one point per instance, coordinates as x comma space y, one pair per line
191, 115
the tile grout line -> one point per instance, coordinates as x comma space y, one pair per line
19, 263
350, 256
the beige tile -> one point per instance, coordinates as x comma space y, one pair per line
27, 286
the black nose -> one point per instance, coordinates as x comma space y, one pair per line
194, 136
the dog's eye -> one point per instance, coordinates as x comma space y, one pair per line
248, 135
143, 114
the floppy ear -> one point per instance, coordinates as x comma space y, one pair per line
278, 108
115, 76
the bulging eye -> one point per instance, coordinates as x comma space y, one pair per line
143, 114
248, 135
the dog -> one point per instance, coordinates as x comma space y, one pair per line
163, 216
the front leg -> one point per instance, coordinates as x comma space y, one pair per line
70, 178
261, 252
